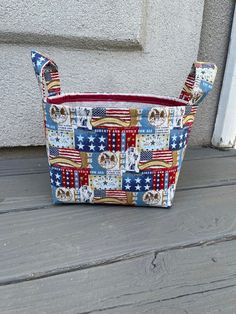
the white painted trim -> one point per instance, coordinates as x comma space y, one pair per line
224, 135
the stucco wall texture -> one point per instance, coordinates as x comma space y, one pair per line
150, 52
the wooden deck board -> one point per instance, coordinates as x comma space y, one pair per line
90, 259
49, 239
199, 279
28, 179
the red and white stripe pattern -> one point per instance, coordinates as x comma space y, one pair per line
165, 155
117, 194
67, 153
54, 75
194, 109
54, 84
191, 83
72, 154
186, 93
122, 114
112, 116
113, 195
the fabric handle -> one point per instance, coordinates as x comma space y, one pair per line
47, 75
199, 82
197, 85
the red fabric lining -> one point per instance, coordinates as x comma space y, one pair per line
115, 97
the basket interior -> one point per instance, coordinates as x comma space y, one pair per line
115, 100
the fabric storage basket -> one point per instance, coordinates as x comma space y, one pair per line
117, 148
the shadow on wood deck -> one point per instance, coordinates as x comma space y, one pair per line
113, 259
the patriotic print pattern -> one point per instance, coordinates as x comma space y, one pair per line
117, 152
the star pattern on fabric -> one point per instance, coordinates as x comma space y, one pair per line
95, 142
178, 138
56, 177
137, 183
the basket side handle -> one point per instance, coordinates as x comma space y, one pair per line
199, 82
47, 75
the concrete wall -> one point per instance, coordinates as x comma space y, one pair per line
118, 46
215, 35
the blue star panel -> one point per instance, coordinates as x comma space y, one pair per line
92, 141
137, 183
178, 138
56, 176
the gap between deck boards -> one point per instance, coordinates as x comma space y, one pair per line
39, 165
155, 302
48, 204
117, 259
36, 183
176, 286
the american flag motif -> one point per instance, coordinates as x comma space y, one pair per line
54, 75
156, 159
188, 87
123, 114
53, 83
98, 112
110, 117
194, 109
111, 196
190, 112
62, 156
102, 149
191, 83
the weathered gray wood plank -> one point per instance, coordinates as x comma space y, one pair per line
22, 152
198, 279
50, 240
207, 152
87, 258
24, 186
20, 203
21, 166
221, 300
195, 173
207, 172
40, 151
37, 163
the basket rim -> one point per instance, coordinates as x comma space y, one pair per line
117, 97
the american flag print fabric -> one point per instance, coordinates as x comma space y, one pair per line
116, 148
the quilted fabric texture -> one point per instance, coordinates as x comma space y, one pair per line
117, 149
